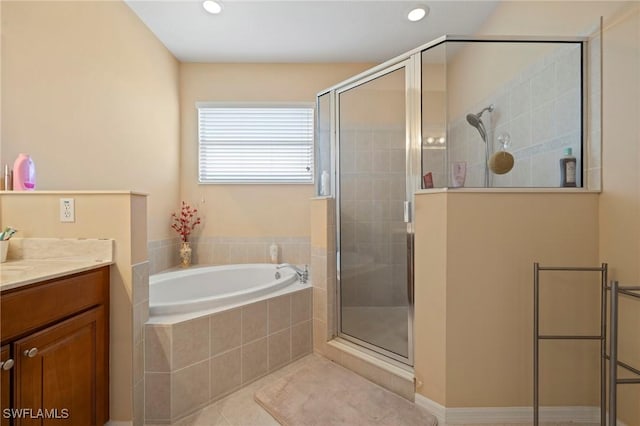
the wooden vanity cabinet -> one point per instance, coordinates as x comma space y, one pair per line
62, 359
6, 365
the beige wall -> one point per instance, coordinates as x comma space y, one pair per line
620, 199
97, 216
474, 287
430, 347
537, 18
92, 95
249, 210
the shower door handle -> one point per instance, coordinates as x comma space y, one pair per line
410, 268
407, 212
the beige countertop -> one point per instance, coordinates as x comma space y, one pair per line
31, 260
18, 273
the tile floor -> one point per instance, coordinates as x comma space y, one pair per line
240, 409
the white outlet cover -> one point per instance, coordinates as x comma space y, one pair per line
67, 210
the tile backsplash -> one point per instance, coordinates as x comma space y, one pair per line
61, 248
163, 254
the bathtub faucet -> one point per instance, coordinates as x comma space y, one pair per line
303, 274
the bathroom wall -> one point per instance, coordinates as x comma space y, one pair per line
619, 203
474, 297
92, 95
620, 198
122, 217
619, 222
248, 216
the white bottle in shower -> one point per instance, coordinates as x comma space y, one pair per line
324, 183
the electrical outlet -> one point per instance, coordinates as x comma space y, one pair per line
67, 210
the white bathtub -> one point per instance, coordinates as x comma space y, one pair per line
221, 313
178, 295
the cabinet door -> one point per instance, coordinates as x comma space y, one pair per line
5, 384
58, 372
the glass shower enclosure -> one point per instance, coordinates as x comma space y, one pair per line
375, 243
423, 120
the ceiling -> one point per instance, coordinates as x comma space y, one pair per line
304, 31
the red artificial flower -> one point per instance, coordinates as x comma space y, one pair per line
186, 222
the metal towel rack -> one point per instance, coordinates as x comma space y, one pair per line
616, 291
537, 337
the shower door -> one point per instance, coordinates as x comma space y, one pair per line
374, 238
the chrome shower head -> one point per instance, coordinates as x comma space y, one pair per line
476, 121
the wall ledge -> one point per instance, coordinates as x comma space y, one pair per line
75, 192
507, 191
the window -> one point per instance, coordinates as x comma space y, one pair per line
247, 144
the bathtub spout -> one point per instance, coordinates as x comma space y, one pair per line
303, 274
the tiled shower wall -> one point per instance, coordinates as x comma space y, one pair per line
373, 240
540, 109
163, 254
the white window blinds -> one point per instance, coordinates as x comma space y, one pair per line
270, 144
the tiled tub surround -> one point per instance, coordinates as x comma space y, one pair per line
234, 250
190, 364
540, 109
140, 306
163, 254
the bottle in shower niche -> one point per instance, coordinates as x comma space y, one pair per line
24, 173
568, 169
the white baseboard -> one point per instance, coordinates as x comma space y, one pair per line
433, 407
492, 415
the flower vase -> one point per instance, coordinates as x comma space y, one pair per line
185, 254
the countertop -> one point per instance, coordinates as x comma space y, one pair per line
31, 260
18, 273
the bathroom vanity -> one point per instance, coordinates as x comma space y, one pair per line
54, 343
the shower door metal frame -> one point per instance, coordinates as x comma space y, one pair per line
411, 61
411, 65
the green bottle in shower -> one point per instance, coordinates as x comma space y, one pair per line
568, 169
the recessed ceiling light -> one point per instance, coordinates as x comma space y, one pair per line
212, 7
417, 13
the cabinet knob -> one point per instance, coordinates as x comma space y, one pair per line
31, 352
6, 365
